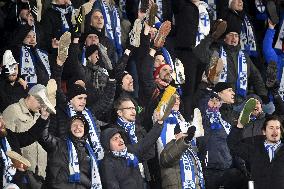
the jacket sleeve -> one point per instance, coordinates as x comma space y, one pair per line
120, 66
108, 175
147, 142
9, 118
104, 105
172, 152
202, 51
238, 147
256, 80
48, 141
33, 134
268, 51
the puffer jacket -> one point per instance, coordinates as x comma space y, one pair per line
115, 173
57, 170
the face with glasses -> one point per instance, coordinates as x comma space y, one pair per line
232, 38
127, 111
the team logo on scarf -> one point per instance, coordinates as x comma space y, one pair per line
63, 12
27, 64
247, 38
204, 22
242, 71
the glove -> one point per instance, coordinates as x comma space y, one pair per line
218, 29
265, 99
190, 134
177, 129
111, 74
268, 108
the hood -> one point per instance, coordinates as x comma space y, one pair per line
106, 136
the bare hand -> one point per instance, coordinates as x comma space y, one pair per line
54, 43
23, 83
157, 117
44, 113
80, 82
271, 25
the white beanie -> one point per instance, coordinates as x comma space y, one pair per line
9, 62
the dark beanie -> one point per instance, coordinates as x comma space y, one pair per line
75, 90
91, 49
20, 34
90, 30
234, 22
122, 76
222, 86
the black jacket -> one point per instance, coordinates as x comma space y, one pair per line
207, 48
10, 94
19, 140
264, 173
57, 170
115, 173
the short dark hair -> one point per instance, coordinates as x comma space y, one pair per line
274, 118
120, 100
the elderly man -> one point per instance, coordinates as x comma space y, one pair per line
12, 141
264, 153
28, 112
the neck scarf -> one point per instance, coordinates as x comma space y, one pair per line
212, 8
93, 131
74, 168
28, 61
216, 120
204, 22
271, 148
129, 128
189, 158
63, 12
281, 88
247, 37
132, 160
242, 72
112, 24
9, 170
160, 9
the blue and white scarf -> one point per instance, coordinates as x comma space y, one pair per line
83, 59
63, 12
216, 121
132, 160
242, 72
9, 170
129, 128
188, 158
187, 172
93, 131
212, 8
160, 9
204, 22
27, 64
247, 37
271, 149
167, 57
112, 24
259, 6
281, 88
74, 168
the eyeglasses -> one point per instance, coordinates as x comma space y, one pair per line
128, 108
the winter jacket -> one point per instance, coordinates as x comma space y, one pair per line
10, 94
23, 121
264, 173
207, 48
115, 173
57, 170
20, 140
51, 26
59, 122
170, 163
187, 20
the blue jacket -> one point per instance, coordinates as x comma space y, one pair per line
271, 54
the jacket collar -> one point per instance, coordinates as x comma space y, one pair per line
25, 109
